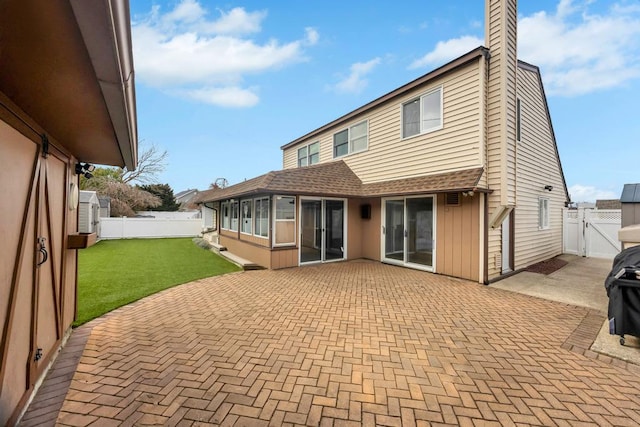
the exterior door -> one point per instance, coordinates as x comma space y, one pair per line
408, 232
37, 293
322, 230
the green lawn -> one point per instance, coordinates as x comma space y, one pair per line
113, 273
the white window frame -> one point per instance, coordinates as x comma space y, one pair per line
543, 213
234, 209
276, 220
350, 140
256, 218
307, 157
243, 219
420, 98
225, 217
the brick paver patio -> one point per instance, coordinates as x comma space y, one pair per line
353, 343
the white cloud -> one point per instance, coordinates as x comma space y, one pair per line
230, 96
447, 50
312, 35
587, 193
183, 51
579, 52
355, 82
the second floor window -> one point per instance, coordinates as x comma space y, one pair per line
351, 140
309, 155
423, 114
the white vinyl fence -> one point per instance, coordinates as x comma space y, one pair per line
591, 232
138, 228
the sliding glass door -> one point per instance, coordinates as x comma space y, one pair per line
322, 230
408, 231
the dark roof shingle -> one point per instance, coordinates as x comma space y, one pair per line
338, 180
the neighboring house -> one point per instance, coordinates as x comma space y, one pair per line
456, 172
185, 198
105, 206
89, 213
608, 204
66, 98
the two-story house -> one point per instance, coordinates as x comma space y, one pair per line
456, 172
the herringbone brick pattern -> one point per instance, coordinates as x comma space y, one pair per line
353, 343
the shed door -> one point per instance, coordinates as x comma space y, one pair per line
32, 271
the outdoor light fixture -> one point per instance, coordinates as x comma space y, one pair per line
85, 169
548, 187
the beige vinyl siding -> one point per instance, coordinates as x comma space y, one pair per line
501, 101
455, 146
290, 157
538, 166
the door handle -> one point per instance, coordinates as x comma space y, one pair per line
405, 233
42, 250
384, 230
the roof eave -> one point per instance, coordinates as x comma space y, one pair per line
113, 64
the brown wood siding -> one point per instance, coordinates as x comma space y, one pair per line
256, 240
455, 146
458, 238
538, 166
630, 214
34, 205
354, 229
364, 233
258, 254
284, 258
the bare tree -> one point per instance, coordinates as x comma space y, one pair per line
116, 183
151, 162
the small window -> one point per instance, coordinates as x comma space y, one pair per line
543, 213
422, 115
285, 220
261, 224
351, 140
224, 207
518, 120
233, 207
246, 212
309, 154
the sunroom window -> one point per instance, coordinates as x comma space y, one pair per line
285, 220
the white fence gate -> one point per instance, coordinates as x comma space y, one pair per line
591, 232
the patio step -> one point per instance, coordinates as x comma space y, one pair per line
218, 247
245, 264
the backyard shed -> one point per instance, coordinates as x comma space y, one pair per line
630, 200
67, 101
89, 213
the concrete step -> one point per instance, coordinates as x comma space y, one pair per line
241, 262
218, 247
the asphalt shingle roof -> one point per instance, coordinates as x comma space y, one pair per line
338, 180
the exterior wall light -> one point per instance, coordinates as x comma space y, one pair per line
85, 169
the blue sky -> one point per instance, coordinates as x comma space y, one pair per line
222, 85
